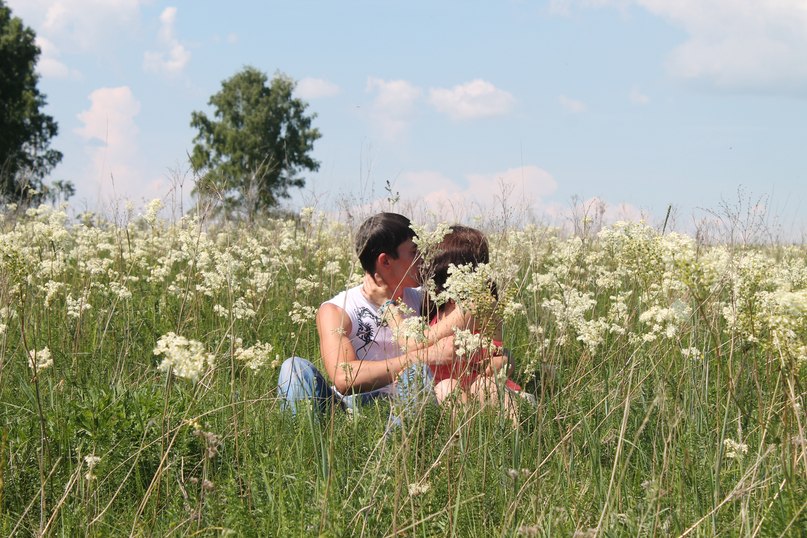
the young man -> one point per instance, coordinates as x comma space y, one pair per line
361, 356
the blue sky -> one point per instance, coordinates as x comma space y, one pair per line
637, 103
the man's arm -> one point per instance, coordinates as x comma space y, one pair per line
445, 325
348, 373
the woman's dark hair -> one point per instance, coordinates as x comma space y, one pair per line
381, 233
462, 245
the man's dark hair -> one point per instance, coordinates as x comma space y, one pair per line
383, 232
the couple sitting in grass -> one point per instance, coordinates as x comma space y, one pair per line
373, 344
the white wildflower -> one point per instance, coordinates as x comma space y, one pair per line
541, 282
75, 307
51, 288
306, 286
91, 461
515, 473
306, 215
427, 241
734, 449
301, 314
186, 358
120, 291
40, 360
419, 489
152, 209
467, 343
411, 329
664, 321
254, 357
240, 310
6, 315
513, 310
332, 267
692, 353
469, 287
592, 333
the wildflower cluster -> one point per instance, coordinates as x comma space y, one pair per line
406, 325
427, 240
734, 450
92, 462
185, 358
469, 287
631, 286
40, 360
255, 357
623, 333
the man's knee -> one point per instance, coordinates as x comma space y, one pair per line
299, 380
296, 369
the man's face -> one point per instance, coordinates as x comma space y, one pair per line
406, 269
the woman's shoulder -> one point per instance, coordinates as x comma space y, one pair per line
412, 297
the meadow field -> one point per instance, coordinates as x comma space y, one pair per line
138, 370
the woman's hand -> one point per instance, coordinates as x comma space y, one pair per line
442, 352
495, 364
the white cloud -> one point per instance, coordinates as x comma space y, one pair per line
52, 68
167, 20
637, 97
593, 212
394, 105
174, 56
525, 186
745, 45
49, 65
525, 183
79, 24
314, 88
111, 135
572, 105
475, 99
739, 44
525, 192
110, 118
27, 10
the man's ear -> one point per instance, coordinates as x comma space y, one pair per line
382, 260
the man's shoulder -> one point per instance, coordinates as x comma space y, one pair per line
332, 318
344, 297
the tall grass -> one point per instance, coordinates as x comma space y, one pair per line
669, 379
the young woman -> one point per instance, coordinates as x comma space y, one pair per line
474, 376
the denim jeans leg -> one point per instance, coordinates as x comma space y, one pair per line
352, 402
413, 391
299, 380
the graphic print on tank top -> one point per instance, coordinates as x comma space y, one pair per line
368, 322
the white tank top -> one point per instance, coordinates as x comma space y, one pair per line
371, 340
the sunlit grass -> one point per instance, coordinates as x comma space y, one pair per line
669, 379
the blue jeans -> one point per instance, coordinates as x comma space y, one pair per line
299, 380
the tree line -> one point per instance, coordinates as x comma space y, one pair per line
247, 156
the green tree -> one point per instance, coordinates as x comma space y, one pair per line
25, 131
259, 141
